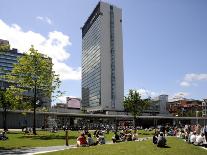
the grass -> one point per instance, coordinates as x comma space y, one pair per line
45, 138
175, 147
21, 140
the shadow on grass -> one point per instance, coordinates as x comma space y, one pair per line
6, 151
5, 148
47, 137
13, 133
145, 133
12, 148
165, 147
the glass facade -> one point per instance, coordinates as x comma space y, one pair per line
91, 65
113, 89
7, 60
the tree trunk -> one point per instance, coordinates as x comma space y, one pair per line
4, 119
34, 107
135, 125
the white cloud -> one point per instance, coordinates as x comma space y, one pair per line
66, 72
185, 84
44, 19
195, 77
147, 93
190, 79
52, 45
181, 94
62, 99
178, 96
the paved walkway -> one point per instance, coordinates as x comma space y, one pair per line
35, 150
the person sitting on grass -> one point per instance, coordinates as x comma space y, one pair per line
135, 136
101, 139
161, 141
193, 138
90, 140
154, 138
116, 138
200, 139
129, 136
3, 136
81, 140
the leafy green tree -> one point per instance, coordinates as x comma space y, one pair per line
4, 47
33, 73
135, 105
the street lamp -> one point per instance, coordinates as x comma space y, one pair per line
197, 116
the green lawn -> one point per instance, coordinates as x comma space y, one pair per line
46, 138
175, 147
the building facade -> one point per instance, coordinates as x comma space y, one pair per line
7, 60
185, 107
159, 106
102, 60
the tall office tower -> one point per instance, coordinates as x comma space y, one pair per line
102, 60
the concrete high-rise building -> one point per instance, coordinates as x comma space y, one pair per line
102, 60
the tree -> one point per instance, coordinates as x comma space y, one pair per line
9, 99
135, 105
4, 102
34, 74
4, 47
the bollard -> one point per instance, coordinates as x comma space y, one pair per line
66, 137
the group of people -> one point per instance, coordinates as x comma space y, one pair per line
85, 139
125, 135
82, 140
194, 134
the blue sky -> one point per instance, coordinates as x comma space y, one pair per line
165, 41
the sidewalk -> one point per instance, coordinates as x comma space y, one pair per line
36, 150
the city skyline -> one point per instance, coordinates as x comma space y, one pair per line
164, 41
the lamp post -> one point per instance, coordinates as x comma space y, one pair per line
197, 116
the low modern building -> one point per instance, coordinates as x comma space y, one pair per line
72, 105
73, 102
159, 106
185, 107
